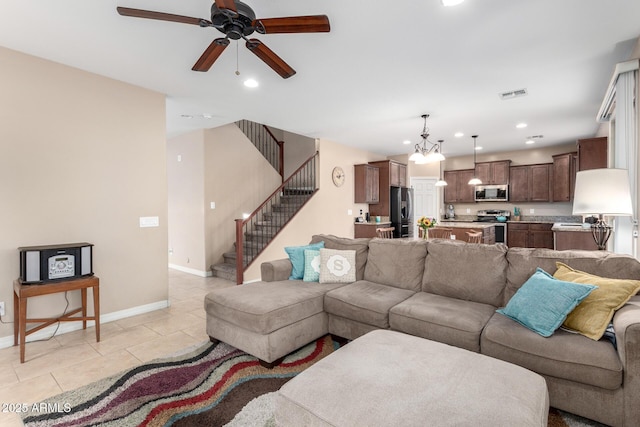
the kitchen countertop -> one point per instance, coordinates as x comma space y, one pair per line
384, 223
562, 226
465, 224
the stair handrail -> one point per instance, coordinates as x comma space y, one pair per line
241, 223
280, 144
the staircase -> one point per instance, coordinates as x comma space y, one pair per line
254, 233
259, 232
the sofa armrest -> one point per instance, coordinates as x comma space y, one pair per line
279, 269
626, 323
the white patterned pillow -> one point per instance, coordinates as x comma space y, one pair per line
337, 266
311, 265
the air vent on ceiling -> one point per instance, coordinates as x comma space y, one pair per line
512, 94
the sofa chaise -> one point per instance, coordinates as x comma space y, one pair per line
445, 291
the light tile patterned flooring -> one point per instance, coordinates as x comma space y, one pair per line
74, 359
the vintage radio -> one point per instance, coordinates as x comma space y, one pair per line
42, 264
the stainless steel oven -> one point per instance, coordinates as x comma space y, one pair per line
492, 216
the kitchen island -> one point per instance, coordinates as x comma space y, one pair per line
573, 236
459, 229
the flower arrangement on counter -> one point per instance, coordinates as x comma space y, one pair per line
426, 222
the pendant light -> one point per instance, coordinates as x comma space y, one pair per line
475, 180
440, 182
422, 154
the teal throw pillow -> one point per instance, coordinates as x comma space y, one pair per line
543, 302
296, 255
311, 265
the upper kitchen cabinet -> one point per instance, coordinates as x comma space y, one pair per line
391, 174
592, 153
367, 184
530, 183
397, 174
564, 176
458, 190
493, 172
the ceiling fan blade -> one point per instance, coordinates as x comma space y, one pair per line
270, 58
293, 24
210, 55
161, 16
228, 7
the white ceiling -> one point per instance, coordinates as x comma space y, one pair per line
367, 82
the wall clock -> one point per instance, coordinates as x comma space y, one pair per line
337, 176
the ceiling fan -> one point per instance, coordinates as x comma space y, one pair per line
237, 20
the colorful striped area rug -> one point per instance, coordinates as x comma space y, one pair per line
212, 385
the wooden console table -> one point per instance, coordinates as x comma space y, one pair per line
22, 292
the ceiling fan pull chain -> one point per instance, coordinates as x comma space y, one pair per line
237, 59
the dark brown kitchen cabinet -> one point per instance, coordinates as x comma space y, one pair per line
391, 174
564, 176
529, 235
458, 190
397, 174
592, 153
493, 172
530, 183
367, 184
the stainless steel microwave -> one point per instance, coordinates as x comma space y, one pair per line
492, 193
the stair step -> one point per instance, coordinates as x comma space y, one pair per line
224, 271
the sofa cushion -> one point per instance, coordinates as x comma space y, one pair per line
592, 317
447, 320
296, 255
465, 271
311, 265
365, 302
361, 246
522, 263
543, 302
563, 355
396, 262
264, 307
337, 266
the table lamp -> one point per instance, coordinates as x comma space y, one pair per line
602, 192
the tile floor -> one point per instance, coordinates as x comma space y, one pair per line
74, 359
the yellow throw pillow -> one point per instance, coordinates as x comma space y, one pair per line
592, 316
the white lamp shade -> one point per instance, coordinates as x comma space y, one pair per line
417, 155
475, 181
602, 191
437, 156
440, 183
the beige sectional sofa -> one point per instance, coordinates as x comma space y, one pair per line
446, 291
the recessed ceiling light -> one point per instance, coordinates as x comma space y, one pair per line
521, 125
406, 142
451, 2
530, 141
251, 83
207, 116
478, 148
458, 134
186, 116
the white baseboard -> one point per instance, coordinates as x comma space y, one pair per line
193, 271
66, 327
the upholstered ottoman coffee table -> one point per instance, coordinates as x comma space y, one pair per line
387, 378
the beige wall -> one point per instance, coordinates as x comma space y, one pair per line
185, 171
83, 157
297, 149
238, 179
326, 212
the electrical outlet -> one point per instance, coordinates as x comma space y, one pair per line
2, 308
531, 211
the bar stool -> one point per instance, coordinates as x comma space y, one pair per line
385, 233
474, 236
440, 233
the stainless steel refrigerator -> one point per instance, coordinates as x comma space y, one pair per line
401, 206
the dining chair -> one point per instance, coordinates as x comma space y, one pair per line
385, 232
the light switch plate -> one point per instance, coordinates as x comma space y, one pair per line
149, 221
349, 211
213, 205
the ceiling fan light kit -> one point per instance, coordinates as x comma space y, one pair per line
236, 21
